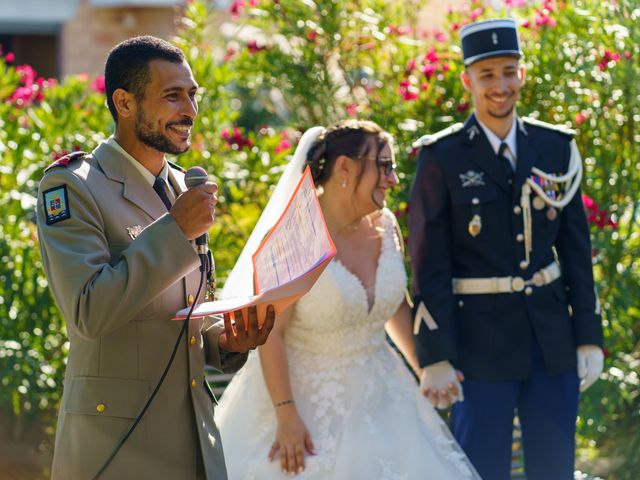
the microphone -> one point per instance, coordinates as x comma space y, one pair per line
197, 176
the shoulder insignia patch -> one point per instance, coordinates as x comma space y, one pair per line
176, 166
56, 204
549, 126
427, 140
64, 161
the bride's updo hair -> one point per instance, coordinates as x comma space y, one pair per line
356, 139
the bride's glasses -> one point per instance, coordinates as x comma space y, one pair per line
387, 165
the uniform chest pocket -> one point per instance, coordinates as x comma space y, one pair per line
472, 209
473, 195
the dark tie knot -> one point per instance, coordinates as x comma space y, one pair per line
503, 147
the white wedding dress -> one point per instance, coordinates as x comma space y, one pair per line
362, 406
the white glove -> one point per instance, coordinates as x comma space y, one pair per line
440, 383
590, 365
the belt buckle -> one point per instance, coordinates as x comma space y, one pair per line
538, 279
517, 284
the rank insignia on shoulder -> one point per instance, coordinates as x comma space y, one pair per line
430, 139
56, 204
64, 161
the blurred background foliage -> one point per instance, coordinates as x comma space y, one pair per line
291, 65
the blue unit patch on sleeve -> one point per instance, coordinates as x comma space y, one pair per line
56, 204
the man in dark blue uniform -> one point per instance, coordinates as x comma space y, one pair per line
505, 305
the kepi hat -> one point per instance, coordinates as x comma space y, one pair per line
490, 38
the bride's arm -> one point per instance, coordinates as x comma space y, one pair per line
399, 328
292, 436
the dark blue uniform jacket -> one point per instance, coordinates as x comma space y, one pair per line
489, 336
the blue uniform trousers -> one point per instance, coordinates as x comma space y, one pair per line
547, 407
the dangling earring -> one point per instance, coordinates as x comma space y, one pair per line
344, 184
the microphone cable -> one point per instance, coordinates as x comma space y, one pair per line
203, 269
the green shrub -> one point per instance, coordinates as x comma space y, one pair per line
310, 63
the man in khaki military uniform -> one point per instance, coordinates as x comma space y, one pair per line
120, 265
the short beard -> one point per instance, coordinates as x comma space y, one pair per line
502, 115
153, 139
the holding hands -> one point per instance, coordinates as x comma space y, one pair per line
440, 383
292, 440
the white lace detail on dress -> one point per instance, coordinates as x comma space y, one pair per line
361, 405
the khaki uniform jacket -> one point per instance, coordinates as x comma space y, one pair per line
119, 268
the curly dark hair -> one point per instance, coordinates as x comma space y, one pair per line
356, 139
127, 66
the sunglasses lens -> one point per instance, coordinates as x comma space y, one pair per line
388, 167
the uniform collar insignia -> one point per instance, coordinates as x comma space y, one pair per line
134, 231
472, 179
472, 131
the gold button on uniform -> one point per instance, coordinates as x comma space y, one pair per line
190, 299
520, 237
193, 383
528, 291
101, 407
524, 264
192, 341
517, 210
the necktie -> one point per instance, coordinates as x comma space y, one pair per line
159, 187
506, 163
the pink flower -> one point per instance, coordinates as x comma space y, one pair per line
230, 53
609, 59
411, 65
10, 57
27, 75
235, 138
515, 3
627, 54
581, 117
236, 8
282, 146
439, 35
98, 84
526, 24
589, 203
407, 91
541, 19
428, 70
312, 35
476, 13
352, 109
432, 56
254, 47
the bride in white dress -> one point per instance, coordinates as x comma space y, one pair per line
326, 398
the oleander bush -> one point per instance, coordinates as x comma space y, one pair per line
291, 65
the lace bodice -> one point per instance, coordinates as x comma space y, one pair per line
334, 317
